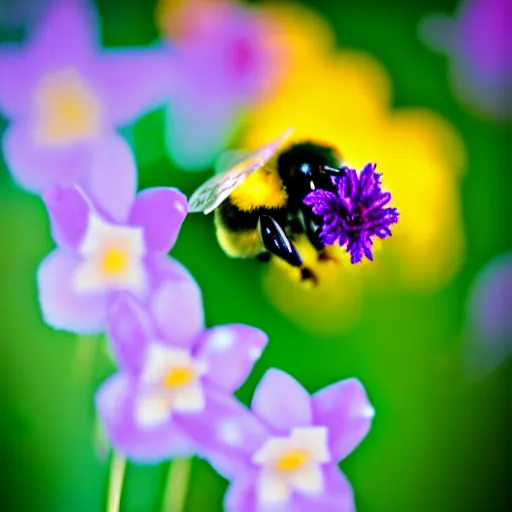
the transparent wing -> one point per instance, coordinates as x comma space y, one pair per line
230, 159
214, 191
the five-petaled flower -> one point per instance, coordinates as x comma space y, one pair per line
98, 256
290, 461
176, 378
65, 97
354, 214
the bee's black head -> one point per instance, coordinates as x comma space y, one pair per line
307, 166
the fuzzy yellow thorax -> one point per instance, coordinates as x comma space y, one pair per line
262, 188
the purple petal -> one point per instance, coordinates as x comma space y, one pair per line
383, 232
36, 167
281, 402
61, 307
352, 183
337, 497
129, 329
241, 494
161, 212
323, 197
354, 248
127, 96
343, 408
68, 209
230, 352
343, 183
178, 310
112, 180
12, 83
68, 29
367, 251
366, 176
163, 268
115, 404
383, 200
226, 432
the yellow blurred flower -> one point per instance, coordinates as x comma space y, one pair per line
344, 98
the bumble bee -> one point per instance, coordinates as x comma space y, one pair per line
258, 203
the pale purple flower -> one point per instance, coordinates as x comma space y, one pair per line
176, 378
478, 42
65, 97
221, 67
488, 333
290, 462
98, 256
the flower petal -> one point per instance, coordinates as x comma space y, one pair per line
68, 209
230, 352
273, 490
241, 494
115, 404
128, 98
163, 268
281, 402
112, 179
13, 85
68, 28
152, 409
36, 167
178, 309
309, 479
336, 497
160, 211
226, 432
345, 410
129, 329
61, 307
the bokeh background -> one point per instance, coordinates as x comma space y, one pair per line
366, 76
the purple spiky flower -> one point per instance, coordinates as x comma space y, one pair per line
355, 213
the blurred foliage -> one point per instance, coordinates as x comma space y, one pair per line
438, 441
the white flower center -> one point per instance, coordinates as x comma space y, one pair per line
67, 109
170, 382
112, 259
292, 463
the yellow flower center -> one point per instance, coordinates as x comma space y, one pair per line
114, 262
180, 376
67, 109
292, 460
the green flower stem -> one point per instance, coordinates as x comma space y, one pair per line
177, 485
85, 353
115, 482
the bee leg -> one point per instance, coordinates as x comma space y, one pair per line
277, 243
264, 256
323, 255
313, 231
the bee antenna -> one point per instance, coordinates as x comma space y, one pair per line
332, 171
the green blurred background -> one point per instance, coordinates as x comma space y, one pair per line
439, 442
